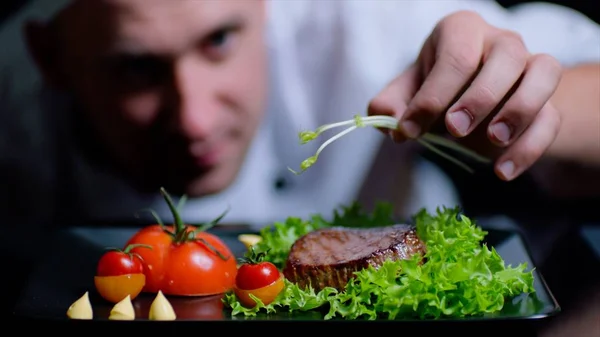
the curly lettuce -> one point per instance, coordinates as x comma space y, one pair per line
460, 276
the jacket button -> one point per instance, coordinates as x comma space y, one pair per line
280, 183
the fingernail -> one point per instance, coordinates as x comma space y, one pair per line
411, 129
397, 137
501, 131
507, 169
461, 121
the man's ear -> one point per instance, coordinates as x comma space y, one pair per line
45, 51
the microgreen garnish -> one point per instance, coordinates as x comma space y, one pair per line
428, 140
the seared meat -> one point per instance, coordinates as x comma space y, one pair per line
330, 256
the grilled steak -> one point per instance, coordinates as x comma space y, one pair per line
330, 256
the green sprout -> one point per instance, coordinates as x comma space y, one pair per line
428, 140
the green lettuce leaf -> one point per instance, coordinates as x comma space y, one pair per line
460, 276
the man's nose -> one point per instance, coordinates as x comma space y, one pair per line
196, 107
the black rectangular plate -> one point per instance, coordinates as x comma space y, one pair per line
67, 272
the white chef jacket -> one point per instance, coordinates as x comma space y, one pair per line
328, 58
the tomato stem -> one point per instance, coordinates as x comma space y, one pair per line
208, 225
158, 221
128, 249
131, 246
181, 234
179, 225
213, 249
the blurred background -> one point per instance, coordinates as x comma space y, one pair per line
572, 242
587, 7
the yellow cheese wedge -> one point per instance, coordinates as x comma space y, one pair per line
81, 309
123, 311
161, 309
249, 240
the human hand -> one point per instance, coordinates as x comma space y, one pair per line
494, 94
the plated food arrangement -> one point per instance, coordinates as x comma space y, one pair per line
355, 265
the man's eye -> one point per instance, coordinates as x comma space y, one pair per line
139, 73
218, 45
218, 38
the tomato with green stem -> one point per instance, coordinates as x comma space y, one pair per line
185, 259
257, 278
118, 261
120, 273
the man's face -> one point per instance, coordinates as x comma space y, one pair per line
175, 89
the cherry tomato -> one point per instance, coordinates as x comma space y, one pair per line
266, 294
259, 278
117, 262
185, 260
254, 274
116, 288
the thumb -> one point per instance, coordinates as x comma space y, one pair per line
394, 98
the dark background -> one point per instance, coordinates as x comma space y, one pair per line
9, 6
589, 7
538, 212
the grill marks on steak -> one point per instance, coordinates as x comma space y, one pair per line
328, 257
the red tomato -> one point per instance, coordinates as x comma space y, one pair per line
184, 259
259, 278
117, 262
254, 273
266, 294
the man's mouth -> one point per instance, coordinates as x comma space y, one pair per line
208, 155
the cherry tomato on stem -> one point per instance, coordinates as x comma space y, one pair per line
120, 273
117, 262
254, 272
258, 278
